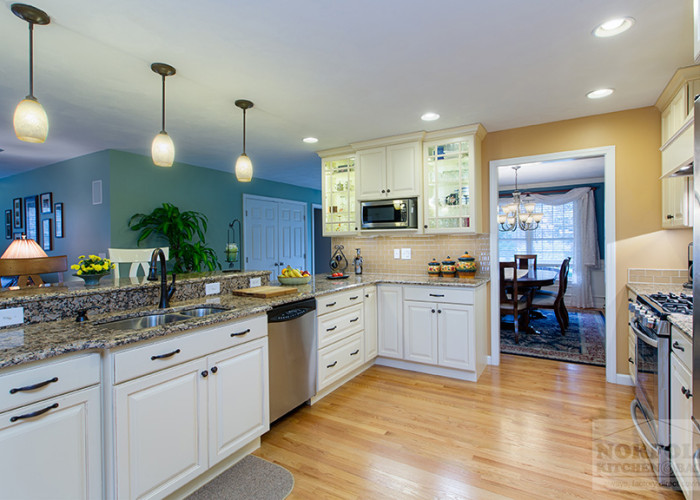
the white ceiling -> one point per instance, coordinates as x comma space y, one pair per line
553, 173
340, 71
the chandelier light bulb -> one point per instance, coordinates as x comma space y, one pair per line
163, 150
30, 121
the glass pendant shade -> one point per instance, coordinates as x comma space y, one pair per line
30, 121
163, 150
244, 168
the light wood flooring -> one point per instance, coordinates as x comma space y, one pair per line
523, 431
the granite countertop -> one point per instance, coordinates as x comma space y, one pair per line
31, 342
683, 321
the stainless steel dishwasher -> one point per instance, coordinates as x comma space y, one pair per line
291, 330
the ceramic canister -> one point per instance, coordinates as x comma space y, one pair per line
448, 268
466, 267
434, 268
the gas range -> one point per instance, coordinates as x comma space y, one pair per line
673, 303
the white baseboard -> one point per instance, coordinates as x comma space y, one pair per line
623, 379
429, 369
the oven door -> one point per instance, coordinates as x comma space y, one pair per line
384, 214
647, 362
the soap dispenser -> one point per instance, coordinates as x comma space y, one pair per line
358, 262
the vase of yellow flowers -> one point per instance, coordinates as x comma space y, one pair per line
92, 268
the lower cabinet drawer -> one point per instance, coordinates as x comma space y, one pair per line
337, 325
682, 346
339, 359
454, 295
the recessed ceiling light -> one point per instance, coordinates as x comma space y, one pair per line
613, 27
429, 117
600, 93
310, 140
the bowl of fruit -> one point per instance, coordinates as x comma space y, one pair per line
292, 276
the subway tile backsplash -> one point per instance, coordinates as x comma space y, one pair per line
660, 276
378, 251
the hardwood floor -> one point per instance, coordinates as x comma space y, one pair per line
523, 431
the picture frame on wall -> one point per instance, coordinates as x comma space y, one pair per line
46, 242
8, 224
17, 212
17, 236
31, 219
46, 200
58, 222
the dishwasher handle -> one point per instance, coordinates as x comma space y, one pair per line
291, 311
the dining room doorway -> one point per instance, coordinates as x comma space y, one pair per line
573, 193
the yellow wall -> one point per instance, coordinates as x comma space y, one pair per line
636, 135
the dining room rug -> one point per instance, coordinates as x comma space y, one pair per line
252, 478
584, 341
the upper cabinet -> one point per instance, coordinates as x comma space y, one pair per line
452, 180
339, 200
392, 171
696, 30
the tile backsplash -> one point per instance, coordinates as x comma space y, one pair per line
378, 251
653, 276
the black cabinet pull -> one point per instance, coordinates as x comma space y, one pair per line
630, 360
686, 392
367, 295
353, 353
35, 386
437, 294
238, 334
676, 345
355, 297
439, 311
432, 310
331, 329
669, 216
214, 369
167, 355
205, 373
331, 366
383, 191
331, 304
425, 226
34, 414
388, 190
353, 320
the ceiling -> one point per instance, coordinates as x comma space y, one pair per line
339, 71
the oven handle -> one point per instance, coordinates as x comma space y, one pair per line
696, 463
635, 404
644, 336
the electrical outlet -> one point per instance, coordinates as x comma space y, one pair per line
255, 282
397, 253
12, 316
406, 253
212, 288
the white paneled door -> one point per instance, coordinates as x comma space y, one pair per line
275, 234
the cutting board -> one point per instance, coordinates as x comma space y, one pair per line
265, 292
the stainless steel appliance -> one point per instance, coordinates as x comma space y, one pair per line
291, 330
389, 214
696, 310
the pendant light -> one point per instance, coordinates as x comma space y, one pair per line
30, 120
163, 149
244, 167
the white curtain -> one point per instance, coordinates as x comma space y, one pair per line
586, 255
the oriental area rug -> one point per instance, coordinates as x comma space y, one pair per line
584, 341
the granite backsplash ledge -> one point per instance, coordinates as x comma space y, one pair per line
61, 302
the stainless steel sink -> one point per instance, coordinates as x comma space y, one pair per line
203, 311
145, 321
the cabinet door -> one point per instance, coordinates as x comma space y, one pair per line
57, 454
390, 321
456, 336
371, 167
403, 170
238, 398
681, 424
160, 426
420, 334
674, 202
370, 314
339, 200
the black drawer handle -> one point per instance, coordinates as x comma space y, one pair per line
630, 360
35, 386
331, 366
331, 329
331, 304
353, 353
355, 297
669, 216
214, 369
238, 334
353, 320
34, 414
167, 355
676, 345
437, 294
205, 374
686, 392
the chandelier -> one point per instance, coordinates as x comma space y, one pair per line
519, 213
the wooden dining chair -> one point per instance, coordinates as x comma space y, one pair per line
513, 302
547, 299
137, 257
28, 270
526, 261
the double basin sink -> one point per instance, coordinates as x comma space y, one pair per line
157, 319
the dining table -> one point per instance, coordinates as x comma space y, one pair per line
530, 280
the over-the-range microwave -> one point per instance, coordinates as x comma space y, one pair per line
389, 214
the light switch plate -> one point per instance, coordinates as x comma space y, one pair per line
212, 288
397, 253
12, 316
255, 282
406, 253
102, 255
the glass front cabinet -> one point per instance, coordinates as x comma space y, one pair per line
452, 168
339, 200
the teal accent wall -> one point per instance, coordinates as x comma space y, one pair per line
138, 186
86, 226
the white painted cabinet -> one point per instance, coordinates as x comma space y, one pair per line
456, 336
682, 410
392, 171
675, 202
55, 454
338, 191
420, 334
390, 320
370, 314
